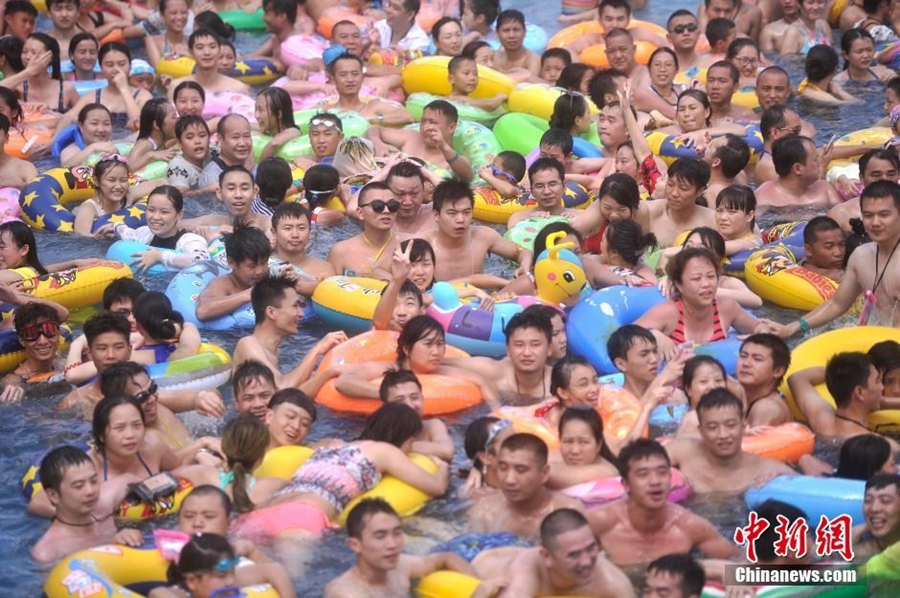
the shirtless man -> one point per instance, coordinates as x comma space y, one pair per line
459, 247
716, 462
825, 247
402, 386
874, 165
381, 571
14, 172
880, 207
854, 385
278, 310
567, 563
772, 34
279, 17
513, 55
776, 122
369, 253
799, 183
727, 157
204, 46
614, 14
235, 149
248, 252
291, 227
523, 377
674, 576
620, 52
252, 384
548, 186
524, 500
633, 350
645, 525
72, 484
722, 82
407, 180
679, 211
763, 360
747, 17
684, 31
881, 509
38, 330
433, 142
346, 72
773, 87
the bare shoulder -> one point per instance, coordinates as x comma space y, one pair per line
604, 518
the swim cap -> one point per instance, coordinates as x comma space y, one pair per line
141, 67
333, 53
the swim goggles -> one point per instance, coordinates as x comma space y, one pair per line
324, 122
502, 173
226, 564
378, 206
495, 430
32, 333
141, 397
114, 157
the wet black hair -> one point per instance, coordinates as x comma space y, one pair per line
692, 171
622, 340
189, 85
640, 449
602, 84
487, 8
443, 107
734, 154
684, 566
819, 224
415, 330
769, 511
102, 412
844, 373
202, 553
622, 189
53, 46
560, 53
247, 243
202, 32
153, 112
821, 61
211, 22
863, 456
113, 47
120, 290
11, 49
471, 48
290, 211
560, 138
450, 191
733, 71
287, 8
701, 97
320, 183
542, 164
116, 377
718, 30
570, 78
717, 398
627, 238
850, 36
879, 154
21, 234
269, 292
773, 117
249, 371
790, 150
695, 363
592, 419
31, 312
675, 267
523, 321
273, 178
82, 36
566, 109
55, 463
711, 239
394, 378
106, 321
153, 311
394, 423
278, 104
513, 163
295, 397
456, 63
363, 511
881, 190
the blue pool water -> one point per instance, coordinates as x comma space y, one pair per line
28, 429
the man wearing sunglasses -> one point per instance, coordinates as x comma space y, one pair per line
433, 142
798, 165
683, 35
407, 180
369, 253
38, 329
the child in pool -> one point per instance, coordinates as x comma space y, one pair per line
184, 169
736, 218
156, 132
463, 75
819, 85
275, 115
95, 126
553, 62
142, 75
165, 209
505, 173
166, 335
480, 51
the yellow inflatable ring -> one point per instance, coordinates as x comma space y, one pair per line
874, 137
448, 584
429, 75
595, 56
819, 349
12, 354
75, 287
283, 461
566, 36
252, 71
134, 509
107, 571
774, 274
348, 302
538, 100
44, 198
492, 207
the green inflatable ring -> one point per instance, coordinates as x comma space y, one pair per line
416, 103
524, 232
354, 125
522, 132
241, 20
474, 141
151, 171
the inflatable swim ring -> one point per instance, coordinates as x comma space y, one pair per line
817, 350
814, 495
595, 318
524, 231
443, 394
44, 197
492, 207
75, 287
522, 133
774, 274
416, 103
538, 99
470, 328
252, 71
210, 368
124, 251
20, 142
536, 39
669, 148
596, 493
116, 570
787, 442
242, 20
347, 302
429, 75
567, 35
12, 354
298, 49
353, 123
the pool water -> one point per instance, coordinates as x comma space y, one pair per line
33, 426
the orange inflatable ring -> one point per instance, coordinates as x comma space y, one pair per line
22, 142
443, 394
618, 409
566, 36
116, 35
787, 442
595, 56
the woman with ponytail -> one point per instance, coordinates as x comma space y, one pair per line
622, 246
166, 335
205, 565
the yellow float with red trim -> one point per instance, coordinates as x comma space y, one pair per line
44, 199
283, 461
75, 287
817, 350
774, 274
429, 75
118, 571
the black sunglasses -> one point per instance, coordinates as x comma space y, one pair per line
34, 332
679, 29
378, 206
141, 397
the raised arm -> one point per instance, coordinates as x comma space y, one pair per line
819, 413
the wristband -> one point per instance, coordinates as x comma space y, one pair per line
804, 325
454, 158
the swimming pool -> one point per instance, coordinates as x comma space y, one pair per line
33, 426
